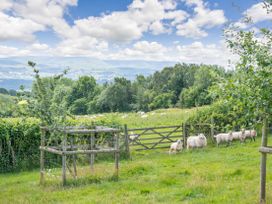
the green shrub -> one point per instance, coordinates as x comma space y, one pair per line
20, 141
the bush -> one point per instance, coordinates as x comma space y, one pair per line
20, 141
225, 116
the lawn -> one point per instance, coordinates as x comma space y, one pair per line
211, 175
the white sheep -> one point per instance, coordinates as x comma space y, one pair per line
223, 137
176, 146
240, 135
133, 136
196, 141
252, 134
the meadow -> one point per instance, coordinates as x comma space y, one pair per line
210, 175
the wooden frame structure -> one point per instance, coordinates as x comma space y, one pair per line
72, 149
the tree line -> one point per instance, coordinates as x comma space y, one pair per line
183, 85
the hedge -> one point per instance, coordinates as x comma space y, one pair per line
20, 141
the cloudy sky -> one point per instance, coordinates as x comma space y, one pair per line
159, 30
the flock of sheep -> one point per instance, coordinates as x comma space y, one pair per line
200, 140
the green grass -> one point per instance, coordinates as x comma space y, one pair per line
162, 117
211, 175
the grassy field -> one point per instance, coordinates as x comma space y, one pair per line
162, 117
210, 175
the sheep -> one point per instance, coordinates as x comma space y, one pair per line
250, 134
133, 136
238, 136
176, 146
196, 141
223, 137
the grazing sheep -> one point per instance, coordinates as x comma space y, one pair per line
176, 146
133, 136
196, 141
238, 136
252, 134
223, 137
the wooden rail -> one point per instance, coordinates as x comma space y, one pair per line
152, 137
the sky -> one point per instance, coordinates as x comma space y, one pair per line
189, 31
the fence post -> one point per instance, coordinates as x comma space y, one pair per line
74, 158
116, 154
92, 154
212, 129
64, 145
127, 141
184, 134
42, 156
263, 162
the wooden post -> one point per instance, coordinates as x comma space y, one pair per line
92, 154
127, 141
263, 162
74, 157
42, 157
64, 144
212, 129
116, 154
184, 134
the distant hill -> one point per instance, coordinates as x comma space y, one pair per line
15, 72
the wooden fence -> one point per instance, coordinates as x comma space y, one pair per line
153, 137
159, 137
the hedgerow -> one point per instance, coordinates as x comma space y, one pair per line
20, 141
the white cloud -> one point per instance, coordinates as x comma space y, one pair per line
197, 52
5, 4
157, 28
204, 18
103, 36
142, 50
39, 46
83, 46
18, 28
258, 13
141, 16
12, 51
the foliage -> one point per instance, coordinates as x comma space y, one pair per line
115, 97
249, 89
7, 105
19, 142
83, 91
49, 102
161, 101
197, 94
183, 85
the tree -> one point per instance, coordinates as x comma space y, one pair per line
49, 99
83, 92
249, 89
161, 101
4, 91
116, 97
198, 95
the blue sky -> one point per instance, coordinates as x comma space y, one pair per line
187, 31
